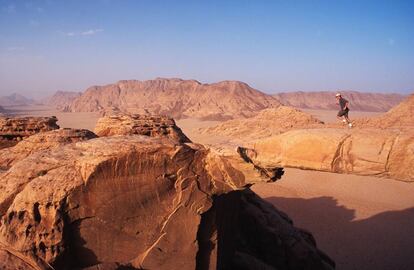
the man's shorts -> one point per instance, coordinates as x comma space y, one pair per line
343, 112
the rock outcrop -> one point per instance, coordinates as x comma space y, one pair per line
267, 123
399, 117
14, 129
62, 99
135, 124
42, 141
176, 98
365, 152
325, 100
140, 202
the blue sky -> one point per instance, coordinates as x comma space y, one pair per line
50, 45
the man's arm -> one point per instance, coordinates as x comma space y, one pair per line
346, 104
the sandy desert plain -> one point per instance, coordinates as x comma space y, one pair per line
361, 222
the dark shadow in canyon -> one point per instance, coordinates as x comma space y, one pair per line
383, 241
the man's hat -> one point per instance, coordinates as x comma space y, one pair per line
338, 95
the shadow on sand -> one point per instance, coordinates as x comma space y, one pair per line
382, 242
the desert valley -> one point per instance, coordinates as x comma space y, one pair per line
206, 135
69, 162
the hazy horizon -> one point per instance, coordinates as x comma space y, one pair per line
274, 46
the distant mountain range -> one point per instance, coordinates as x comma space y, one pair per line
189, 98
62, 99
325, 100
15, 100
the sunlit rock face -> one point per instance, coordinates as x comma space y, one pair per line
139, 202
384, 153
135, 124
14, 129
42, 141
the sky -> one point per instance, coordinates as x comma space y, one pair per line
274, 46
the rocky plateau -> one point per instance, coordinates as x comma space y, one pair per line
138, 200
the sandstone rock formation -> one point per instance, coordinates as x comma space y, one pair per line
149, 125
365, 152
325, 100
44, 140
177, 98
62, 99
140, 202
267, 123
15, 100
14, 129
400, 117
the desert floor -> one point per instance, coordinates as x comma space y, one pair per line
65, 119
361, 222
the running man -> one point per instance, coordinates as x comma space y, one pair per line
344, 109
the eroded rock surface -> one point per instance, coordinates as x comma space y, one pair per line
136, 124
373, 152
144, 203
399, 117
266, 123
14, 129
42, 141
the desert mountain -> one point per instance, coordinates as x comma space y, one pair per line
266, 123
138, 202
401, 116
325, 100
62, 99
15, 100
176, 98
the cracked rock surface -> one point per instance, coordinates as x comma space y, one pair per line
136, 124
140, 202
14, 129
365, 152
42, 141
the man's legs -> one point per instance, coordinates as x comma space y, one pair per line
347, 119
341, 116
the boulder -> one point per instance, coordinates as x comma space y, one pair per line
384, 153
140, 202
14, 129
137, 124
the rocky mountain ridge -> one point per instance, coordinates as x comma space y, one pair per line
62, 99
176, 98
325, 100
15, 100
